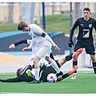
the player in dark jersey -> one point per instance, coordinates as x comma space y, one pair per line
25, 74
84, 38
22, 75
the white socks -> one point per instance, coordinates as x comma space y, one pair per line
37, 74
55, 66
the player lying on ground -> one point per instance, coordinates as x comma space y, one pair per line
27, 74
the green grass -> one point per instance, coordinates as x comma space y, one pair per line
85, 83
58, 23
7, 27
55, 23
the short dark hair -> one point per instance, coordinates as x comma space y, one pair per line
87, 9
21, 25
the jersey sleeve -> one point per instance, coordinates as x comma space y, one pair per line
20, 42
47, 37
38, 31
72, 30
95, 25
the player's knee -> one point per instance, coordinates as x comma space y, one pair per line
35, 61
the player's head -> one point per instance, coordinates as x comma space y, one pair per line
86, 13
23, 26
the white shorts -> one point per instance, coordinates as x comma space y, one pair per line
43, 52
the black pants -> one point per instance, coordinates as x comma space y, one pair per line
20, 78
87, 44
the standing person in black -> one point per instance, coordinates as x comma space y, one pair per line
84, 38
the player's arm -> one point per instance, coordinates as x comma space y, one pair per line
48, 38
29, 47
26, 41
39, 32
20, 42
95, 25
71, 34
73, 28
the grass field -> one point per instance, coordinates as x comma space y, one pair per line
54, 23
85, 83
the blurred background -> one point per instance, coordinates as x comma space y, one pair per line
14, 12
56, 18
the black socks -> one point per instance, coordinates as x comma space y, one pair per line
75, 64
94, 66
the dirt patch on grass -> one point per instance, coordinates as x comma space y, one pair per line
7, 58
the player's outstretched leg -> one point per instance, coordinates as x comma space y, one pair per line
17, 79
75, 56
67, 74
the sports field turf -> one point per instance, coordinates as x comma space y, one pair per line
85, 83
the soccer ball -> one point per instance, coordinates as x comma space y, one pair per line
52, 78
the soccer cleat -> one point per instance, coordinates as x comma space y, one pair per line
74, 76
75, 54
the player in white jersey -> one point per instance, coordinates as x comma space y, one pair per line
43, 42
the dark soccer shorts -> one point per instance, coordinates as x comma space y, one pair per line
87, 44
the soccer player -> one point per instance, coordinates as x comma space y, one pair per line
43, 42
27, 73
84, 38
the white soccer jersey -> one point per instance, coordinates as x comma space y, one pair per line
35, 33
44, 44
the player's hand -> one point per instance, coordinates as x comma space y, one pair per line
12, 46
70, 44
57, 48
25, 49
